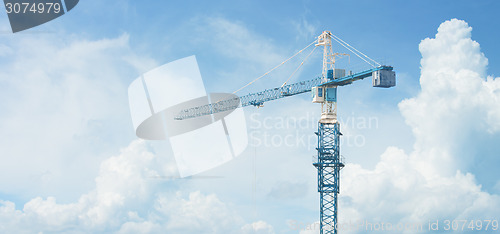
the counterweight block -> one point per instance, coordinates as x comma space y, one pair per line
384, 78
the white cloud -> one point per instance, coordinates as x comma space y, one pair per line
125, 200
305, 29
456, 101
198, 213
405, 194
312, 228
259, 227
122, 182
60, 98
140, 227
67, 103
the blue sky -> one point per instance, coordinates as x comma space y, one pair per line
70, 158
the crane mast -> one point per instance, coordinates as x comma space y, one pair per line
328, 162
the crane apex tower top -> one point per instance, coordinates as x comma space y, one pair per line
327, 94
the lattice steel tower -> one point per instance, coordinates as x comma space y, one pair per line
328, 161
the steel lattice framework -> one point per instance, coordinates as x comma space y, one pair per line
253, 99
328, 162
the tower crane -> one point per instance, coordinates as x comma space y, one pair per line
328, 161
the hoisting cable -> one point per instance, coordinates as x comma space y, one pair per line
299, 66
274, 67
346, 45
258, 78
353, 52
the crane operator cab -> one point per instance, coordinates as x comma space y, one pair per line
327, 93
321, 94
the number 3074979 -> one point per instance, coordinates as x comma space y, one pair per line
33, 8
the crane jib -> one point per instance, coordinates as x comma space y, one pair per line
259, 98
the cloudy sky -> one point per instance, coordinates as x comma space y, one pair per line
424, 151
